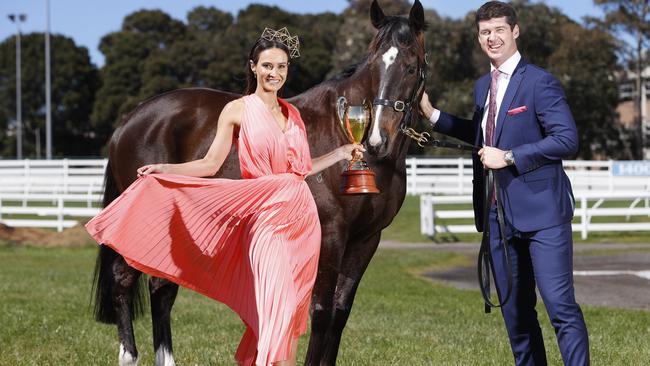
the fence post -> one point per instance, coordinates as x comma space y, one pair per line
414, 176
28, 180
60, 215
461, 174
427, 226
65, 175
610, 168
583, 219
90, 194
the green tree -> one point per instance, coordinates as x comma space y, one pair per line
585, 62
632, 18
74, 83
356, 30
126, 72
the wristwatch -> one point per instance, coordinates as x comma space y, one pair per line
509, 157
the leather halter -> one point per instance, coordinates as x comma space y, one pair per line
406, 107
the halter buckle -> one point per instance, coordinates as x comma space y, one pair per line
399, 106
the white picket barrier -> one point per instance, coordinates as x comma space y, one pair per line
26, 185
454, 176
50, 190
589, 204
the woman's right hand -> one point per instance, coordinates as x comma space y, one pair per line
151, 169
350, 152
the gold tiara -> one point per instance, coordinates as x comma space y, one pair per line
285, 38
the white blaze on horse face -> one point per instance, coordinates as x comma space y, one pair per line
375, 137
390, 56
164, 357
126, 358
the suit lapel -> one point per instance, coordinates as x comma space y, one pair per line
509, 96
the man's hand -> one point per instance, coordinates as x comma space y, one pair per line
492, 158
426, 109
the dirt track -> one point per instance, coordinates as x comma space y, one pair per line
616, 275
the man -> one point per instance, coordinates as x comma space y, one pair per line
522, 120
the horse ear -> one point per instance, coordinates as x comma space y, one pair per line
416, 17
377, 15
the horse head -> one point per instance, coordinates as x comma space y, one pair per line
396, 61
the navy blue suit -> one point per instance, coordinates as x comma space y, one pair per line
535, 122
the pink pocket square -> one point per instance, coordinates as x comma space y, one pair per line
517, 110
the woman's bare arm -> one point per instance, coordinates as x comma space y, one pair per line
211, 163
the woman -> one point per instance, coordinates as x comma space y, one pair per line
252, 244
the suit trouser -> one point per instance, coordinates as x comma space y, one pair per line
543, 258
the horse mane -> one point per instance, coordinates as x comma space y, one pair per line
397, 32
348, 70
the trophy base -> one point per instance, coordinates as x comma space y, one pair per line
359, 182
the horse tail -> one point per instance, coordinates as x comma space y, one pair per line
104, 277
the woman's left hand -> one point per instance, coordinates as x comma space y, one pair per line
350, 151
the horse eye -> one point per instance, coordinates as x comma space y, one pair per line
411, 70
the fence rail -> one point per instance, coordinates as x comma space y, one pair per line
454, 176
54, 193
588, 206
50, 193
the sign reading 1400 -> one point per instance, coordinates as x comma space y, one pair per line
633, 167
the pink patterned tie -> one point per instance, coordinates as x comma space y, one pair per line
489, 124
492, 108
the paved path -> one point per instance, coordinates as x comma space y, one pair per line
616, 275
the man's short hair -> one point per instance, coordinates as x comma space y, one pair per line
496, 9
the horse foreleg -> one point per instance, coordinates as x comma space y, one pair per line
323, 295
355, 261
126, 279
162, 294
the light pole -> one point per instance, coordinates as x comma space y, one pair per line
18, 18
48, 88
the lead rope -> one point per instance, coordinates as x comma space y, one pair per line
485, 260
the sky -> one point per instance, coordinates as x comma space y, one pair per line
87, 21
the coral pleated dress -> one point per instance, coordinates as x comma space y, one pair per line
252, 243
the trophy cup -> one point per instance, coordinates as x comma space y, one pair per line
357, 178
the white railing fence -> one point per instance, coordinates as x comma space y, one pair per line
50, 193
55, 193
454, 176
588, 206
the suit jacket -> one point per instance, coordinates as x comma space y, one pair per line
535, 122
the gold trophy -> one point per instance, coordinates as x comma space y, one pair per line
357, 178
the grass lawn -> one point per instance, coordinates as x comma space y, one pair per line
406, 227
399, 318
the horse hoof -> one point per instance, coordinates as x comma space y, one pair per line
164, 357
126, 358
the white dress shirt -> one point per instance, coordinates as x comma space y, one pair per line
506, 69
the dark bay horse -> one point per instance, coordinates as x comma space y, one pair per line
179, 126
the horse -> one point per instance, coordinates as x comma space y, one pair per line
180, 125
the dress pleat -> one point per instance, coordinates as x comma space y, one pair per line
252, 244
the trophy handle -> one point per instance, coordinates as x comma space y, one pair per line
341, 110
368, 105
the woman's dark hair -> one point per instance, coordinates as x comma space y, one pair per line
496, 9
262, 44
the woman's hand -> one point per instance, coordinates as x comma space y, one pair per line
151, 169
350, 152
